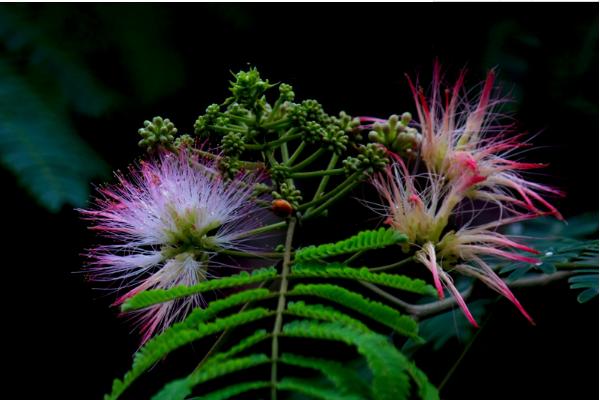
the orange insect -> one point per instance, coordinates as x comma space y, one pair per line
282, 208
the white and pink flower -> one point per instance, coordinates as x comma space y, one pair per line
421, 207
466, 152
167, 221
458, 134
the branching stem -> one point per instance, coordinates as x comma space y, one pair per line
283, 287
263, 229
394, 265
308, 160
297, 153
350, 181
340, 191
284, 139
315, 174
424, 310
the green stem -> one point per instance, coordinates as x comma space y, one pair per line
245, 120
285, 155
244, 254
280, 123
274, 143
386, 295
315, 174
394, 265
283, 287
228, 128
221, 339
308, 160
329, 202
323, 184
464, 353
350, 180
263, 229
296, 153
353, 257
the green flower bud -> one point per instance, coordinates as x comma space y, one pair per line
314, 132
350, 165
406, 118
371, 158
158, 132
233, 144
184, 141
396, 135
309, 111
229, 166
335, 139
280, 172
288, 192
248, 88
286, 93
203, 123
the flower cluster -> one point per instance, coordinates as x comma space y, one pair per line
167, 222
466, 153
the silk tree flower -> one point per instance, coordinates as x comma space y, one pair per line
167, 223
421, 206
457, 132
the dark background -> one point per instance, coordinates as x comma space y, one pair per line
174, 60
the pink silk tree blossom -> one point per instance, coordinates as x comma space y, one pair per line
421, 206
167, 222
458, 133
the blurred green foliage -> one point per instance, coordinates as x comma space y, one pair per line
49, 76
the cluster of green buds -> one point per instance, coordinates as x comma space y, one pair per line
157, 133
248, 89
287, 138
396, 135
289, 193
370, 159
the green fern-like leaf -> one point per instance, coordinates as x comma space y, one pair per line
179, 389
315, 391
379, 312
344, 379
38, 144
151, 297
341, 271
366, 240
233, 390
215, 307
242, 345
173, 338
390, 381
323, 313
586, 272
73, 82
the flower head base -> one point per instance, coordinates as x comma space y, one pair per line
168, 221
460, 136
